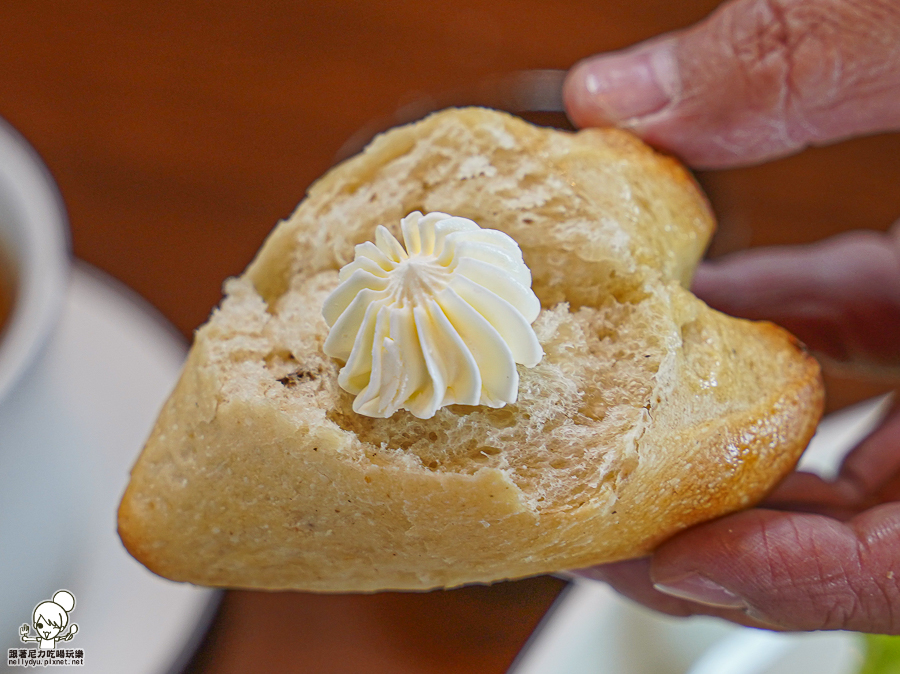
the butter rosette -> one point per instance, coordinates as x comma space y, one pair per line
440, 320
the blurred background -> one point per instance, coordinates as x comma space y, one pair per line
180, 132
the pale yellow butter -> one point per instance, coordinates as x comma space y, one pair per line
440, 320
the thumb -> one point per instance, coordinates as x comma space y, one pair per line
841, 296
791, 571
757, 79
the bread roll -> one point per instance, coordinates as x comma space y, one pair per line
650, 412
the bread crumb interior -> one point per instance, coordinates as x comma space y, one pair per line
591, 392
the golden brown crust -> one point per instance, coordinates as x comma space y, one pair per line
740, 459
649, 413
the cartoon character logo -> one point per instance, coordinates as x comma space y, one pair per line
50, 620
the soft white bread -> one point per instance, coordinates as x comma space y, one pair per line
650, 412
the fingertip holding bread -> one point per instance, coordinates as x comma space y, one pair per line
649, 411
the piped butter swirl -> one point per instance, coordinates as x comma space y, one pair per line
440, 320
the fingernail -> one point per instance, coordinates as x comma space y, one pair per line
702, 590
761, 618
625, 85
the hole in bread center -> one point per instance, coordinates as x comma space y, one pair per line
417, 276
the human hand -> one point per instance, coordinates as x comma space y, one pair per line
758, 80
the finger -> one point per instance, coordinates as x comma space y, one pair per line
631, 578
797, 571
840, 296
757, 79
808, 493
871, 472
869, 475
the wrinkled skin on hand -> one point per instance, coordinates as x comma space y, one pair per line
758, 79
761, 79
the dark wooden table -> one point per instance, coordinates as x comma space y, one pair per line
181, 131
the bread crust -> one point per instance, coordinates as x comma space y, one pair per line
650, 413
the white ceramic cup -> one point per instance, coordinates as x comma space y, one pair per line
37, 487
34, 234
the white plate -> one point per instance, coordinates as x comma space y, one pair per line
592, 630
67, 441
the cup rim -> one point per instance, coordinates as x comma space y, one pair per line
42, 259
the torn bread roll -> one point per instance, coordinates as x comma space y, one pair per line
648, 412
